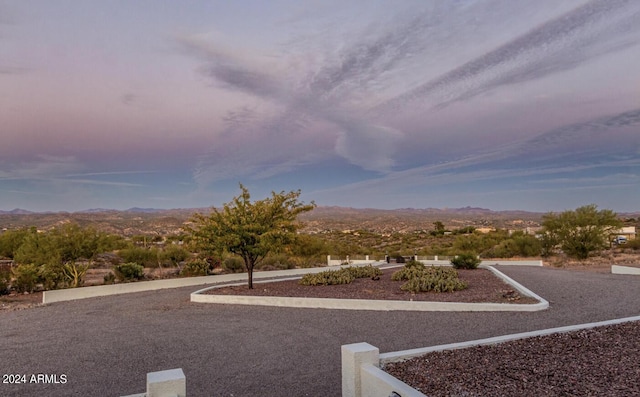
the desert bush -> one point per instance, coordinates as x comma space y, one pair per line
519, 244
433, 283
407, 273
129, 271
328, 277
277, 261
341, 276
364, 271
25, 277
5, 278
312, 261
465, 261
147, 257
411, 263
109, 278
429, 279
632, 244
174, 254
233, 264
196, 267
52, 276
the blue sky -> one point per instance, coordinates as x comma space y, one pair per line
502, 104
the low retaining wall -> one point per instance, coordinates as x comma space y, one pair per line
361, 362
200, 296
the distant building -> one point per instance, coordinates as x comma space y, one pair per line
627, 232
485, 229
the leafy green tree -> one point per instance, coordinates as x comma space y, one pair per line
38, 249
75, 243
438, 228
581, 231
250, 229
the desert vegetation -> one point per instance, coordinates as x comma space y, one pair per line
67, 254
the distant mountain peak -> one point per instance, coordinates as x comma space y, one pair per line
16, 211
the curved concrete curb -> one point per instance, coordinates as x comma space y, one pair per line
617, 269
62, 295
365, 304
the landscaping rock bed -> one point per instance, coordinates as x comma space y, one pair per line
483, 286
603, 361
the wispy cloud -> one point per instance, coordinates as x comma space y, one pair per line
546, 156
328, 108
60, 170
43, 167
589, 31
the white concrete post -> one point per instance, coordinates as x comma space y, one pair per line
366, 257
435, 258
353, 357
328, 260
169, 383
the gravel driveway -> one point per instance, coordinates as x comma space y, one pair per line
105, 346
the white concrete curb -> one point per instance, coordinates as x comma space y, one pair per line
200, 296
68, 294
617, 269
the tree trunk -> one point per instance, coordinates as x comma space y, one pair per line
250, 272
249, 264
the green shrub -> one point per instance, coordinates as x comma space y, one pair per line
197, 267
109, 278
363, 271
129, 271
328, 277
341, 276
276, 262
428, 279
414, 263
174, 254
632, 244
25, 277
147, 257
52, 276
5, 277
465, 261
407, 273
432, 283
233, 264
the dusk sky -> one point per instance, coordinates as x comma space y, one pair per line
501, 104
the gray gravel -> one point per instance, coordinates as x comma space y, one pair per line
105, 346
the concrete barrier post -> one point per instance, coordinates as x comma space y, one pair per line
169, 383
353, 357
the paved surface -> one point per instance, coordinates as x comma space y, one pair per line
105, 346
